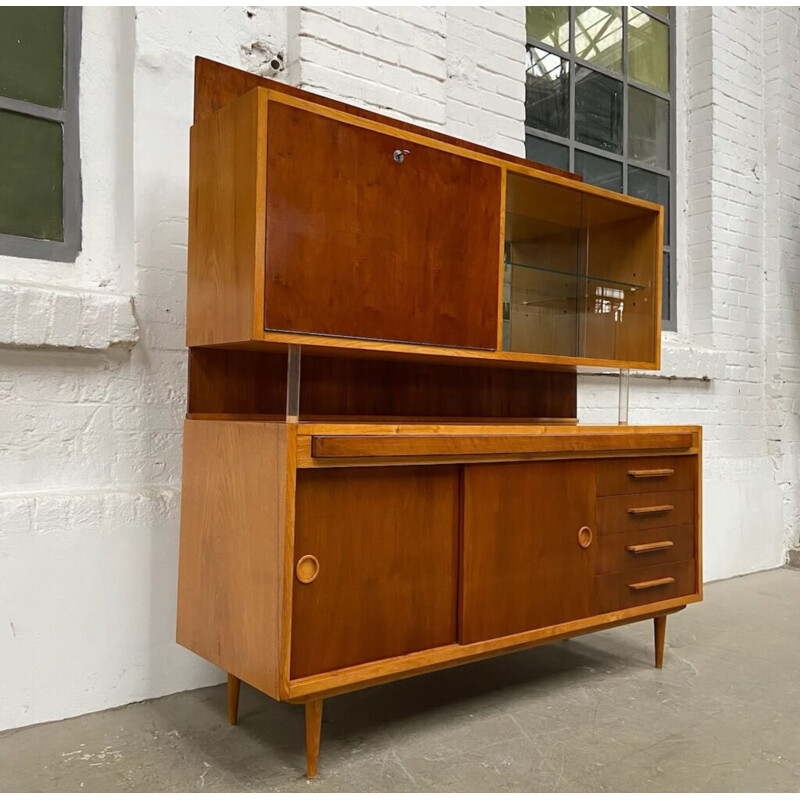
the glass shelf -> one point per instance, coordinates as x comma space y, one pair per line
626, 285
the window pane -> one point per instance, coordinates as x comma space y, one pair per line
648, 50
30, 166
598, 110
666, 286
652, 187
550, 153
662, 10
548, 24
648, 128
32, 54
547, 91
599, 171
598, 35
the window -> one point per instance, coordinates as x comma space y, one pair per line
40, 188
600, 101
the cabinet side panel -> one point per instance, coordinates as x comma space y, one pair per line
230, 573
227, 185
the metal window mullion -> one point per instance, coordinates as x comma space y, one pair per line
598, 151
71, 170
572, 113
632, 162
609, 73
31, 109
653, 14
672, 318
572, 104
549, 48
550, 137
625, 100
645, 87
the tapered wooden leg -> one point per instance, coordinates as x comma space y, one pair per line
660, 629
233, 698
313, 731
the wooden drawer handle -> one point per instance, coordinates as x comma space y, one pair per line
585, 536
650, 547
650, 473
651, 584
307, 569
650, 510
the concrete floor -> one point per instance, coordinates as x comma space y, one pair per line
586, 715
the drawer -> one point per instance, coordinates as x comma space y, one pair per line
635, 549
654, 474
639, 512
565, 442
640, 587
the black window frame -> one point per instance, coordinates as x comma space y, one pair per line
669, 310
67, 249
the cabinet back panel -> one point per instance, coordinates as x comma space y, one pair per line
386, 541
249, 382
359, 245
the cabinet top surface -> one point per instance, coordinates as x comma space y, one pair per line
481, 429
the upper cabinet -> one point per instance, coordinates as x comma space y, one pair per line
330, 227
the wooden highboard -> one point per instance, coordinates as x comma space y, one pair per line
384, 473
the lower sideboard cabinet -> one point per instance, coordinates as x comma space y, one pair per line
314, 562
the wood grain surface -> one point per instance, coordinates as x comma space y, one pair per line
615, 553
229, 577
355, 446
249, 382
386, 541
647, 475
227, 200
615, 591
523, 565
359, 245
639, 512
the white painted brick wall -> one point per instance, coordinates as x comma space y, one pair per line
91, 447
90, 452
390, 60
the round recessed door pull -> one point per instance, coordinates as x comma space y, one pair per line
400, 155
585, 536
307, 569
